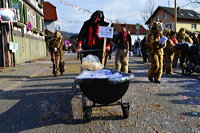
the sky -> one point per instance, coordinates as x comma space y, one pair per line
71, 14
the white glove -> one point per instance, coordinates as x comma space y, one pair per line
130, 53
55, 49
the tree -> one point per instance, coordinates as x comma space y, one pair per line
148, 11
194, 3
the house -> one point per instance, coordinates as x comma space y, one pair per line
140, 33
50, 16
188, 19
27, 33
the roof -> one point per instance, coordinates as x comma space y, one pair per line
50, 13
131, 27
181, 13
48, 31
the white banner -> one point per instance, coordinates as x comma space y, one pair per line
106, 32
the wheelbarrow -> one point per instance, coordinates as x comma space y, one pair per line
105, 92
96, 52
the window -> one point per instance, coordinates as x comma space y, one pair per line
158, 18
34, 19
194, 26
169, 26
198, 15
181, 14
165, 16
191, 14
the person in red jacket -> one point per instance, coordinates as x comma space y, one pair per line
88, 38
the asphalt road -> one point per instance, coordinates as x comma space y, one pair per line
41, 103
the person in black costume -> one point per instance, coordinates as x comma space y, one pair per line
88, 38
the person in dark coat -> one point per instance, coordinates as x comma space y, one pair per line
88, 38
143, 46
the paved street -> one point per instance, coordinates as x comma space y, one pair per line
33, 101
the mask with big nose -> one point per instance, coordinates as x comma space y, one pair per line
97, 16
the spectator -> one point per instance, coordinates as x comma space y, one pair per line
143, 46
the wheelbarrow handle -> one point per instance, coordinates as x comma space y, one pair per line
93, 50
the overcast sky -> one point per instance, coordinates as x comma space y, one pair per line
128, 11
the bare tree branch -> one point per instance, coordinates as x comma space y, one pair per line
194, 3
149, 10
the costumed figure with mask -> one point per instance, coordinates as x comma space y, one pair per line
156, 45
88, 38
58, 50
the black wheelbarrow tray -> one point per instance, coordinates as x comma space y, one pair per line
105, 92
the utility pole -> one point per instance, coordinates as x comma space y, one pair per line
2, 47
175, 15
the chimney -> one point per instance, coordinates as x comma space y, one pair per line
178, 9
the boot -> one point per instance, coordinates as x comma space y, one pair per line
61, 73
54, 66
157, 82
150, 79
56, 75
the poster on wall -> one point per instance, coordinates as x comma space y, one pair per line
15, 4
14, 47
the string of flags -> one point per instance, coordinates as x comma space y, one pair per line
78, 8
69, 21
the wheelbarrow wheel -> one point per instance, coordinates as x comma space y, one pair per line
88, 114
186, 71
125, 110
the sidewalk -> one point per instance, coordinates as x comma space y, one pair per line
10, 77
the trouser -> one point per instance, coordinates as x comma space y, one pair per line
59, 62
175, 59
121, 60
53, 61
144, 56
168, 63
183, 58
156, 67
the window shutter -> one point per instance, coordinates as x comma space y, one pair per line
9, 4
42, 25
37, 22
21, 12
25, 14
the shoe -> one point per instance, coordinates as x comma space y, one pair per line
169, 73
157, 81
150, 79
61, 74
56, 75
